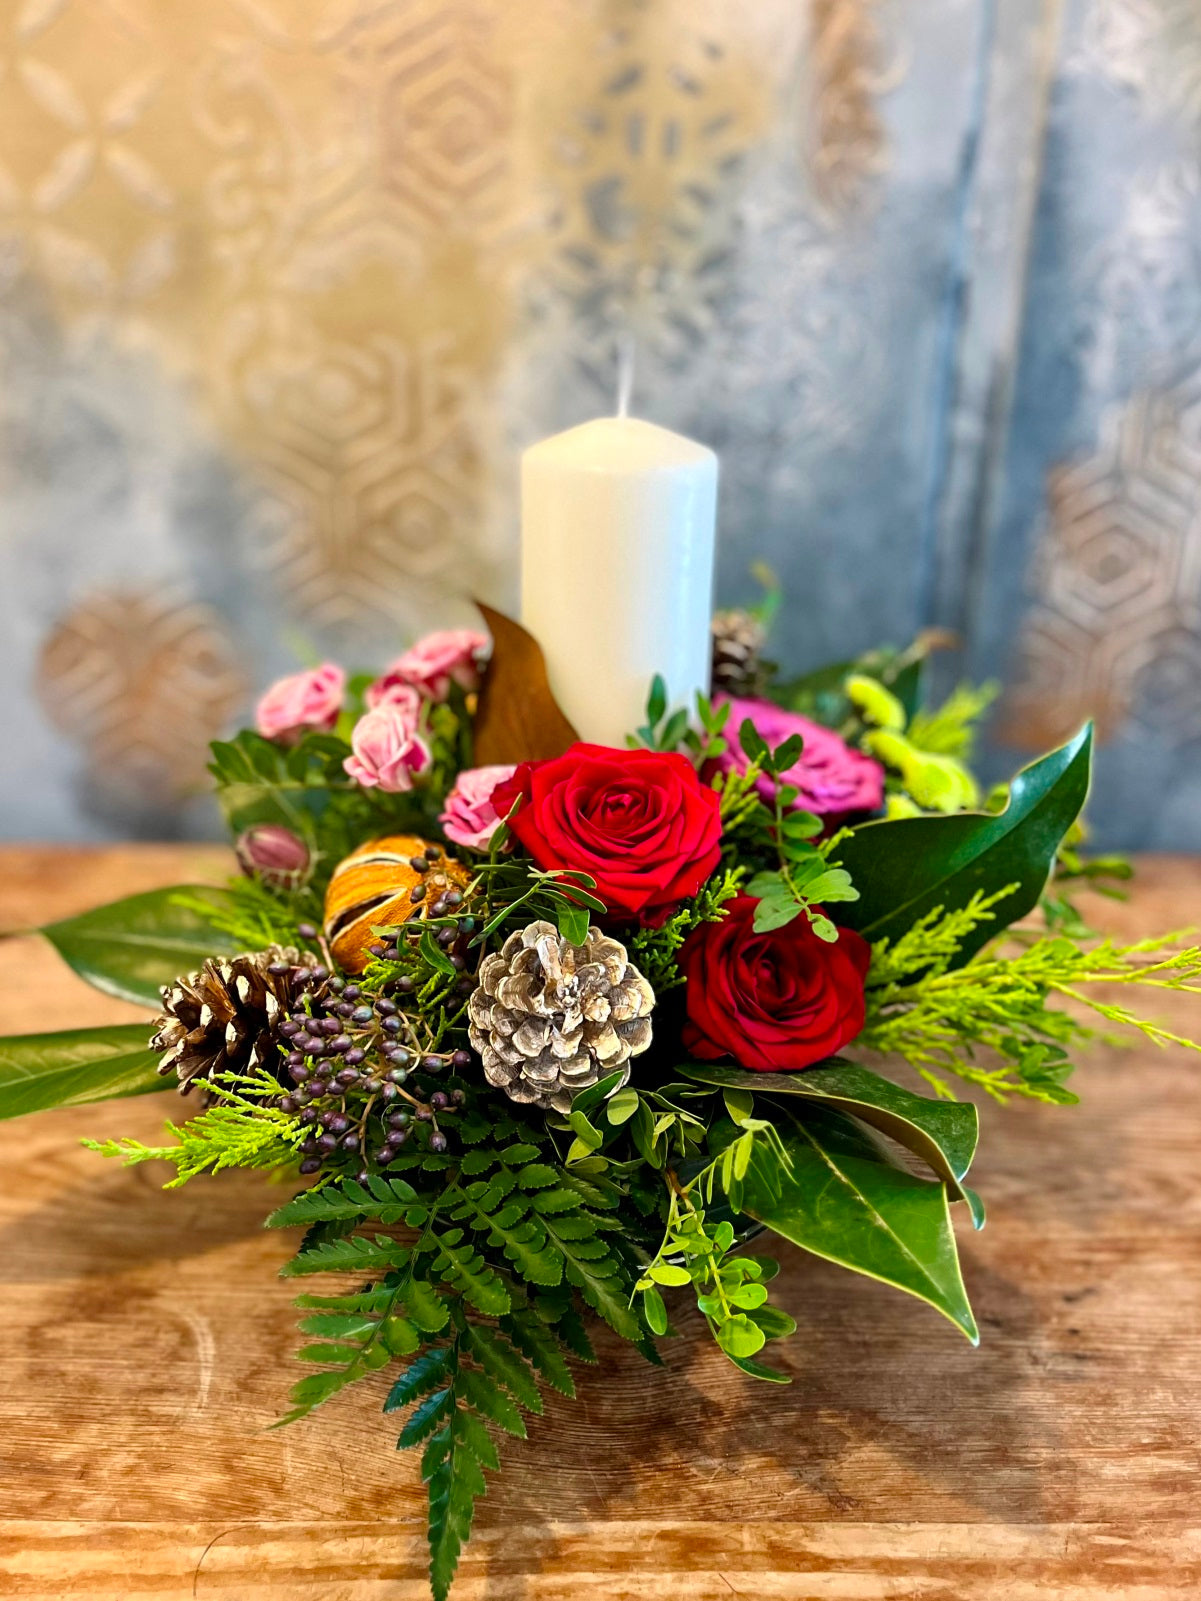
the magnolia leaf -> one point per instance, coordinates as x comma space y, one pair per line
76, 1067
909, 866
131, 948
942, 1133
842, 1198
519, 719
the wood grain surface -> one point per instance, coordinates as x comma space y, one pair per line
145, 1348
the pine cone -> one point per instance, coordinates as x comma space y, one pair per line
225, 1018
738, 667
550, 1018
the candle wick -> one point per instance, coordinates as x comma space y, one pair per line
625, 373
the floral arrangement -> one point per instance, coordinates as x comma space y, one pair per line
556, 1031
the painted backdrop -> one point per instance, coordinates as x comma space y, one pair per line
285, 285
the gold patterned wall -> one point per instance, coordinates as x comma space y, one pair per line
320, 222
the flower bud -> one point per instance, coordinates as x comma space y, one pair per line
273, 853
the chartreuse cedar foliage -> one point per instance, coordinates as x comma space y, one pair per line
474, 1268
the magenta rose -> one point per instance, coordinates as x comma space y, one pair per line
470, 817
388, 752
834, 780
452, 655
310, 699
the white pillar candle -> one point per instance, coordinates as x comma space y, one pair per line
617, 528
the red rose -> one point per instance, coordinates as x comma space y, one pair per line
639, 821
774, 1001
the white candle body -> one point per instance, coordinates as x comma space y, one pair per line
617, 531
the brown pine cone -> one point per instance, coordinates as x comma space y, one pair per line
738, 641
549, 1018
226, 1017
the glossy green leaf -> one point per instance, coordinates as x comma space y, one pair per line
76, 1067
906, 867
845, 1200
131, 948
942, 1133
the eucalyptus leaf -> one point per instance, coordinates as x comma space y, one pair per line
942, 1133
131, 948
76, 1067
906, 867
844, 1199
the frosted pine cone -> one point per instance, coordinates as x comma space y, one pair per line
226, 1017
550, 1018
738, 640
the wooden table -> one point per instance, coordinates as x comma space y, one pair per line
145, 1345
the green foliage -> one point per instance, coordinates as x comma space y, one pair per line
499, 1234
806, 878
874, 703
236, 1131
701, 736
1106, 874
844, 1197
933, 782
655, 950
934, 941
305, 788
907, 868
132, 947
728, 1288
942, 1133
951, 729
75, 1067
249, 916
481, 1379
942, 1016
927, 752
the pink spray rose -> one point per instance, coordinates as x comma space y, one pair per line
389, 691
310, 699
452, 655
833, 779
388, 752
470, 817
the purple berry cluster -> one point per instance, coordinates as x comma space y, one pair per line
362, 1089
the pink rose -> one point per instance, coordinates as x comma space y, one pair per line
311, 699
470, 817
452, 655
388, 754
389, 691
833, 779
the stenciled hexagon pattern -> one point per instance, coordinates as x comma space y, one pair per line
1116, 630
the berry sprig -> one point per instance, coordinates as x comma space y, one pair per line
354, 1078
